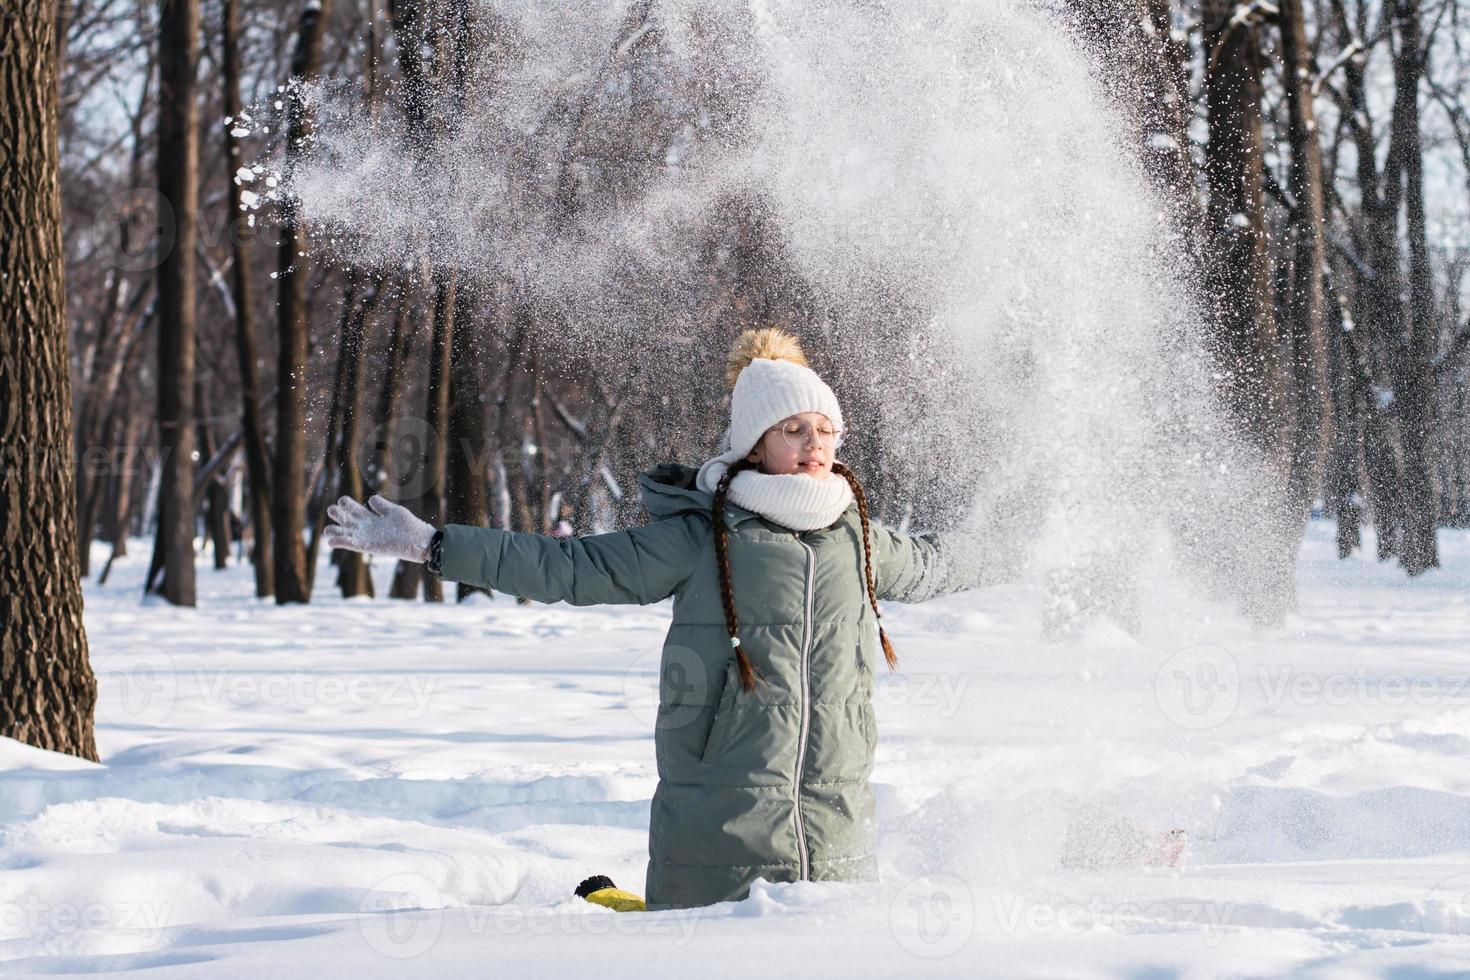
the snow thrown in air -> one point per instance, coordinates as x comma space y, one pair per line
978, 244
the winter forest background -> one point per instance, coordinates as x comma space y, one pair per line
1130, 290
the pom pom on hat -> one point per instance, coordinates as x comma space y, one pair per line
769, 343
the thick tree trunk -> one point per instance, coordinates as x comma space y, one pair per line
257, 457
1416, 382
1242, 276
1240, 283
178, 184
288, 494
1312, 396
466, 497
47, 690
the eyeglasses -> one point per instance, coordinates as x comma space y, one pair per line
799, 435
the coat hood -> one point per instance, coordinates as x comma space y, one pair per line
669, 490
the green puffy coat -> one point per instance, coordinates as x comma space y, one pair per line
771, 783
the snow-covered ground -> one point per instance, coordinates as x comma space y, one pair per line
375, 788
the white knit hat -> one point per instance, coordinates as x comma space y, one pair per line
771, 382
768, 391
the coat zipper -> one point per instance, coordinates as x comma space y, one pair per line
806, 641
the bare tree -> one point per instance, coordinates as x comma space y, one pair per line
409, 27
178, 184
257, 458
1375, 306
466, 498
1236, 218
1240, 279
352, 570
47, 690
449, 34
441, 349
1415, 361
1312, 393
293, 582
465, 490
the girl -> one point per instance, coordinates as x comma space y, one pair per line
765, 731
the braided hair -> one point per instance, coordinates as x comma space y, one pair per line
727, 591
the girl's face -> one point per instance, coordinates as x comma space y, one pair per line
800, 444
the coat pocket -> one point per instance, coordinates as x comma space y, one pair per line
720, 725
870, 727
866, 682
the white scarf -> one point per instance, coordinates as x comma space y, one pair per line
793, 500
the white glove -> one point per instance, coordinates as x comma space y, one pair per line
380, 528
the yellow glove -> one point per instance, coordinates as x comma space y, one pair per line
600, 890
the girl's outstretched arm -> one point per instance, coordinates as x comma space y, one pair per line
915, 567
642, 565
639, 565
